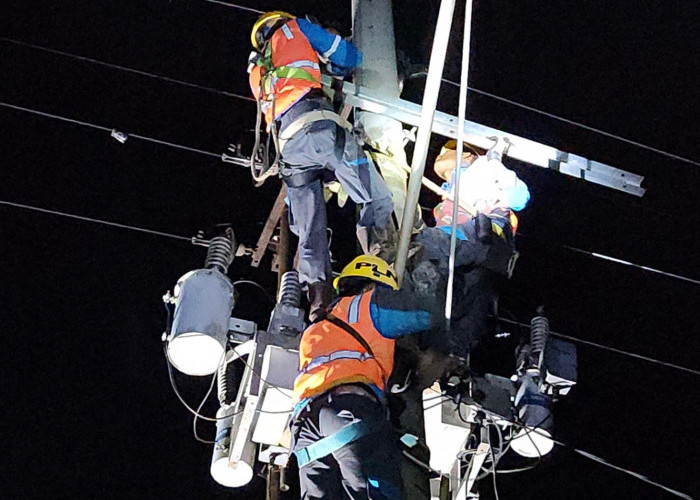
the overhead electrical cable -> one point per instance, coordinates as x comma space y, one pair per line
251, 99
124, 68
184, 238
98, 221
236, 6
631, 264
100, 127
601, 256
576, 124
604, 462
607, 348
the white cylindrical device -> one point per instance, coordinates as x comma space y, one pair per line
230, 475
203, 305
535, 438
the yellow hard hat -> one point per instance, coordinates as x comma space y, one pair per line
267, 20
371, 267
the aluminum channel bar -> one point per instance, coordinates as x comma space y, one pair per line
521, 149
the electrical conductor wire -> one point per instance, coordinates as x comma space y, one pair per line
125, 68
607, 348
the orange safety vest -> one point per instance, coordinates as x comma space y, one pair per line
286, 72
329, 356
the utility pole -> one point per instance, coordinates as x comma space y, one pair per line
373, 34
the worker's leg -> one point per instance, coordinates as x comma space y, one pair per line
369, 466
365, 186
307, 219
320, 478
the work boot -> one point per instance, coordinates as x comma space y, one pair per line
320, 296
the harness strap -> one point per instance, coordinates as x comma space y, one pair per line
349, 329
310, 117
327, 445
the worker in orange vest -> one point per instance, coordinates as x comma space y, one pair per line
342, 438
313, 142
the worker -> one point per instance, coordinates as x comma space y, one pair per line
314, 143
342, 437
484, 256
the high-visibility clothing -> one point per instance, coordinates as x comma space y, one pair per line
329, 356
288, 70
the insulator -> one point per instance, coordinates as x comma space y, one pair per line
222, 386
290, 289
220, 253
539, 333
228, 381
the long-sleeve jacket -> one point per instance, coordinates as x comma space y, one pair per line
290, 67
330, 356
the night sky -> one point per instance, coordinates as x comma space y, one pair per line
87, 408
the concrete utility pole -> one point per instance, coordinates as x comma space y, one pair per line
373, 34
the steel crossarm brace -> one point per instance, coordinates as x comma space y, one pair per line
522, 149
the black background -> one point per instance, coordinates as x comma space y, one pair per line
87, 410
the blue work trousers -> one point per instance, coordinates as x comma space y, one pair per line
323, 148
366, 469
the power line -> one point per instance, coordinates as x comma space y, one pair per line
235, 6
100, 127
127, 69
98, 221
631, 264
601, 256
577, 124
612, 349
183, 238
248, 98
215, 155
604, 462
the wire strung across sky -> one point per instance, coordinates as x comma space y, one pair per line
248, 98
125, 68
236, 6
215, 155
184, 238
611, 349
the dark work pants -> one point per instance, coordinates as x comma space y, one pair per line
364, 469
315, 149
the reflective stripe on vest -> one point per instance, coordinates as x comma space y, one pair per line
286, 72
318, 361
329, 356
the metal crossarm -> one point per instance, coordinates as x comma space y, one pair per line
522, 149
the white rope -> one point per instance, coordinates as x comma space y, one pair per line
461, 114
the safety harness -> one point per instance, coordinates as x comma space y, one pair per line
354, 430
267, 81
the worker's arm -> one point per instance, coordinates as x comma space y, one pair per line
397, 312
343, 55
